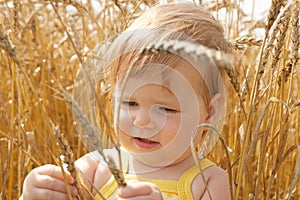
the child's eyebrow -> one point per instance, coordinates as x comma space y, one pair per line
126, 96
168, 103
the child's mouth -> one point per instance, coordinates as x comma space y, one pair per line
145, 143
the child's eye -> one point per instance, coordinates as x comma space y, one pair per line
168, 110
130, 103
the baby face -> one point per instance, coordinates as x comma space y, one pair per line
157, 117
149, 118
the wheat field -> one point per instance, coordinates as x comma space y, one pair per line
43, 43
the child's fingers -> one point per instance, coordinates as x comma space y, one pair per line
54, 171
53, 184
47, 182
50, 177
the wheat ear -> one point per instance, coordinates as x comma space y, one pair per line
266, 48
6, 45
279, 22
198, 52
294, 58
68, 158
295, 32
273, 13
239, 43
282, 24
192, 50
91, 138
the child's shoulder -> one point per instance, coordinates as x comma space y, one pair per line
217, 183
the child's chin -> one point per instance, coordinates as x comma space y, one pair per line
156, 159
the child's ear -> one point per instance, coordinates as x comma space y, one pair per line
216, 104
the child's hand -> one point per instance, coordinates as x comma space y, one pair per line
136, 190
47, 182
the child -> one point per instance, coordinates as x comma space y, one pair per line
159, 104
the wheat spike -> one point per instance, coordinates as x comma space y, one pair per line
278, 25
16, 5
117, 173
7, 45
68, 158
192, 50
273, 12
74, 35
283, 22
198, 52
274, 20
295, 32
91, 138
293, 58
239, 43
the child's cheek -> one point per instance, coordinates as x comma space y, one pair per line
158, 121
124, 121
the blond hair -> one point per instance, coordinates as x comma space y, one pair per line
172, 21
186, 18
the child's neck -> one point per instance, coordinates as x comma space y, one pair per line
170, 172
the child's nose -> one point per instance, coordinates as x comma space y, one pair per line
142, 118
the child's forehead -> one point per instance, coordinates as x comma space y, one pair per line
178, 82
164, 70
164, 75
150, 91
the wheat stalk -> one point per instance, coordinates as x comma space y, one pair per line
260, 68
245, 85
196, 158
264, 137
295, 175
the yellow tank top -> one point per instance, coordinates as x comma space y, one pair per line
171, 190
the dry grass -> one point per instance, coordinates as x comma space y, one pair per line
43, 43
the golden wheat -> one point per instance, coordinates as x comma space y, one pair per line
44, 43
